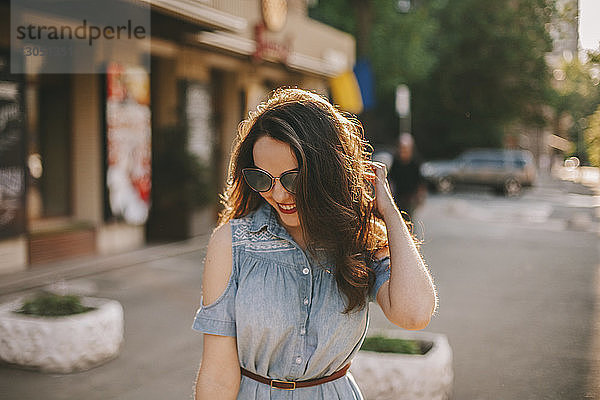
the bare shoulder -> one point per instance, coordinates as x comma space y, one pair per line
221, 237
217, 265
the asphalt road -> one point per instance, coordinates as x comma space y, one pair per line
516, 279
517, 282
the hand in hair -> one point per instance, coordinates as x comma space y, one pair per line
384, 201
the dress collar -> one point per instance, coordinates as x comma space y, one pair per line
265, 216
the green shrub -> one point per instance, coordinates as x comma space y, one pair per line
47, 304
592, 138
390, 345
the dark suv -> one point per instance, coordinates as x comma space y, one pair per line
507, 171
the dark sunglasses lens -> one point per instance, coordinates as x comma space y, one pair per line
257, 180
289, 181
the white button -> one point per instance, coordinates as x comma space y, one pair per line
298, 360
303, 331
305, 271
305, 301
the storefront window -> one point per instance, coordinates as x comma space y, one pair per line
49, 147
12, 163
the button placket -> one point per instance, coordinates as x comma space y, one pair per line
308, 287
305, 287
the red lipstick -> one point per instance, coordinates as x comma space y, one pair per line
286, 210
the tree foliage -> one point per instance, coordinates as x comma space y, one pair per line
491, 72
401, 45
576, 97
592, 138
473, 66
398, 45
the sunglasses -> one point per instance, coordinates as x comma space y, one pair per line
261, 181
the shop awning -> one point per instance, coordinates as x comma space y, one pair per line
201, 14
247, 47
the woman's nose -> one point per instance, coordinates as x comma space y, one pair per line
279, 193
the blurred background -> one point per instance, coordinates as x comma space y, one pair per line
498, 100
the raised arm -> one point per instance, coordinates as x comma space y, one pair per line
219, 374
409, 298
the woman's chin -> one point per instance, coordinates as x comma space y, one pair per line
289, 220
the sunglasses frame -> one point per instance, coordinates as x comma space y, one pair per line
273, 178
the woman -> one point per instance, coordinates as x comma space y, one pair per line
308, 236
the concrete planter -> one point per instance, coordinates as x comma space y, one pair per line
388, 376
62, 344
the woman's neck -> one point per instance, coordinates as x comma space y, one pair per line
296, 234
298, 237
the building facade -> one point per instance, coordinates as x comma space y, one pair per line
69, 189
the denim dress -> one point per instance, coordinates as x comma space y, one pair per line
286, 312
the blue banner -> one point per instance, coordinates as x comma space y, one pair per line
364, 76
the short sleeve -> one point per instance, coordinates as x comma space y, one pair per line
381, 268
218, 318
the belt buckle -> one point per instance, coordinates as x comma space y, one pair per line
292, 385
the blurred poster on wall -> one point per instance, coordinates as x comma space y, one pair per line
12, 153
128, 142
198, 118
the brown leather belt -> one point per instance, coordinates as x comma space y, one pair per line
291, 385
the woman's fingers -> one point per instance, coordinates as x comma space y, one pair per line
372, 174
379, 169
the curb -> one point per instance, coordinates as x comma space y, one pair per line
42, 275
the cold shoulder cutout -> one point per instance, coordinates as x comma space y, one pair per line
217, 265
216, 314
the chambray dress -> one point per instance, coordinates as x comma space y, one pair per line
285, 310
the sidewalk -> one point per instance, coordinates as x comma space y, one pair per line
159, 288
42, 275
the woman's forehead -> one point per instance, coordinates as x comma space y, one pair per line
273, 155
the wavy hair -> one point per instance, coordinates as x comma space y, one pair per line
334, 195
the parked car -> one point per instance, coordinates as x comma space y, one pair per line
507, 171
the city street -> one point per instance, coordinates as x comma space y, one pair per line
516, 278
126, 126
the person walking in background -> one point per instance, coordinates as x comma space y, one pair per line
308, 236
409, 187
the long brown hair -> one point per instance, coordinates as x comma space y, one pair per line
334, 196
